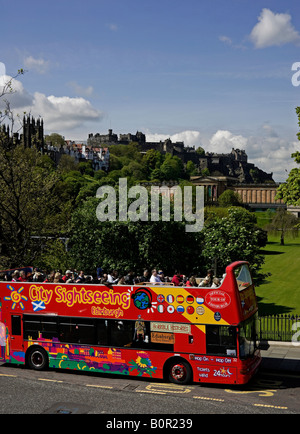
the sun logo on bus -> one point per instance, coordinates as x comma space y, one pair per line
16, 297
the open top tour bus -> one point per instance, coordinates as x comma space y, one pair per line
182, 334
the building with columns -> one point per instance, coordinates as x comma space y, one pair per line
255, 196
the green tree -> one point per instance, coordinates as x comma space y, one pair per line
27, 205
55, 139
200, 151
229, 198
152, 160
233, 238
284, 222
289, 192
172, 168
191, 168
131, 245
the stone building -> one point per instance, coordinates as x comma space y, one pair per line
254, 196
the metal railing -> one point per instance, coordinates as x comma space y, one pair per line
278, 327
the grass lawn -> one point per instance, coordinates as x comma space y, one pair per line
280, 292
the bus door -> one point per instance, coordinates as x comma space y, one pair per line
16, 337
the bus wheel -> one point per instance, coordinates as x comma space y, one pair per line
37, 359
180, 372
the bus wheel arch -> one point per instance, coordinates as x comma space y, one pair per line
37, 358
178, 370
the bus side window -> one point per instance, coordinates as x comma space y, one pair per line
220, 340
102, 332
16, 328
122, 333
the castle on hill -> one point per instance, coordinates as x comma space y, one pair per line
233, 165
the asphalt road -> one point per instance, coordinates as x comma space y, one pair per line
23, 391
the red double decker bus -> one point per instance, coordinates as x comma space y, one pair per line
181, 334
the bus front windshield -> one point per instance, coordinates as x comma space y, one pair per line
248, 337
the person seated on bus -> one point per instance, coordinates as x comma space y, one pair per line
204, 282
155, 277
58, 278
103, 279
129, 278
207, 281
112, 277
191, 281
50, 277
22, 277
177, 279
67, 276
122, 281
161, 275
15, 276
215, 282
80, 278
145, 277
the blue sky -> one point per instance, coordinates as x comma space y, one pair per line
214, 73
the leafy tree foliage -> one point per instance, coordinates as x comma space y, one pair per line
229, 198
290, 190
284, 222
131, 245
26, 188
233, 238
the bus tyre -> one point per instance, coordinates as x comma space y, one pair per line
37, 359
180, 372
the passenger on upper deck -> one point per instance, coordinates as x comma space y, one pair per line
216, 282
208, 280
191, 281
155, 277
113, 277
177, 279
145, 277
22, 277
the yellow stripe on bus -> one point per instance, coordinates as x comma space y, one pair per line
204, 315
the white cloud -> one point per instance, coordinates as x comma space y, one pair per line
63, 113
274, 29
190, 138
226, 40
80, 90
223, 141
267, 151
60, 114
40, 66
